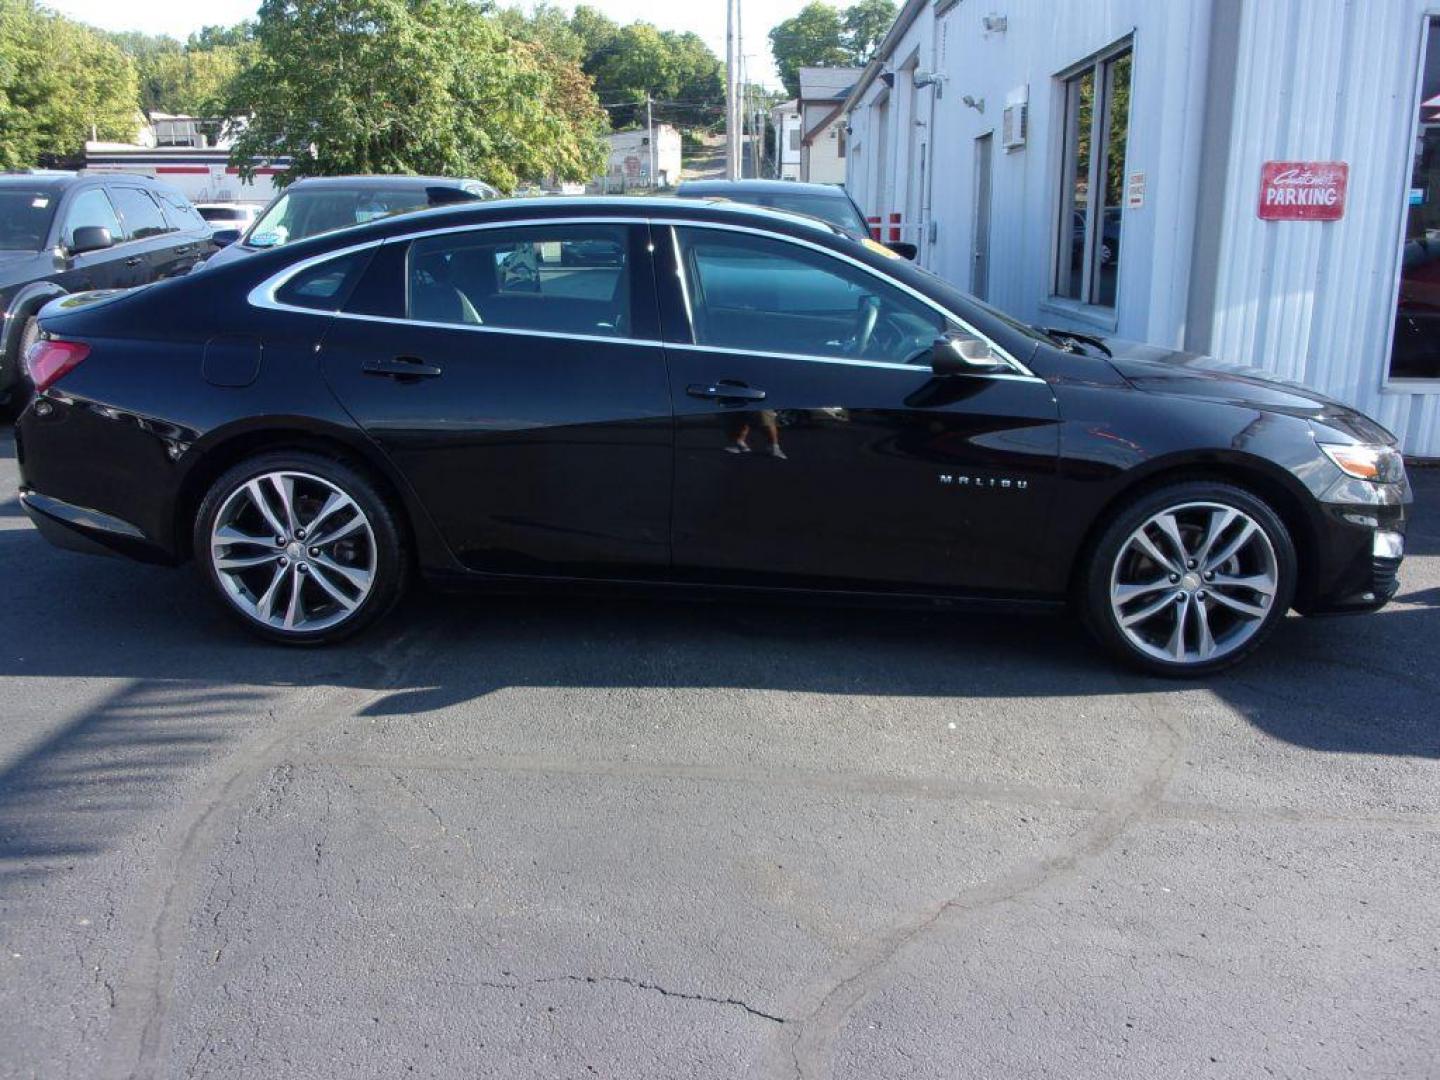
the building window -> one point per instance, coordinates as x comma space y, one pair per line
1416, 349
1092, 190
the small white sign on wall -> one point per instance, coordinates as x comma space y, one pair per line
1135, 191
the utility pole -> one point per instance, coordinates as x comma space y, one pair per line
650, 127
732, 89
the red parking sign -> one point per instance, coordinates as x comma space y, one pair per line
1303, 190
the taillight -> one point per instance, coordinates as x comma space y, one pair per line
46, 361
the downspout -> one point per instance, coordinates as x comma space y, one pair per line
1216, 139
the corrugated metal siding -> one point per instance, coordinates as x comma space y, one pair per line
1324, 80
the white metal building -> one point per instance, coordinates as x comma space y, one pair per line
822, 98
1259, 179
635, 164
785, 120
190, 152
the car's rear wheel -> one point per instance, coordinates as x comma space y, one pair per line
301, 548
1189, 579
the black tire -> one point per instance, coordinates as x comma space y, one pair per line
385, 555
15, 394
1104, 569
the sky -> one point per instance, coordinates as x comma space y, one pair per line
179, 18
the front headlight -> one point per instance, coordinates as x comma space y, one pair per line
1378, 464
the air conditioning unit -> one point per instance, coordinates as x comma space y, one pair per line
1015, 125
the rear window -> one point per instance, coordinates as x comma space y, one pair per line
836, 209
222, 213
299, 214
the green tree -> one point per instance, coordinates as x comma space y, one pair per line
193, 78
866, 23
417, 86
813, 38
60, 83
822, 36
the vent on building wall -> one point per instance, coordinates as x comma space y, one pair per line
1014, 125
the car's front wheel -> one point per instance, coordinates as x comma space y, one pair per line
301, 548
1189, 578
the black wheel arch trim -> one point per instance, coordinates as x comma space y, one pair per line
227, 445
1265, 479
27, 301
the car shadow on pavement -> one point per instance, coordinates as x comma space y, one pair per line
157, 681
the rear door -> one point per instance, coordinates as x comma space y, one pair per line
189, 238
150, 249
515, 376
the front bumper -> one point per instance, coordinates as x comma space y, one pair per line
1359, 553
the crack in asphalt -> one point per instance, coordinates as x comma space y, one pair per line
135, 1042
641, 984
811, 1036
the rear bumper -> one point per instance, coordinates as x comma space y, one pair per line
78, 528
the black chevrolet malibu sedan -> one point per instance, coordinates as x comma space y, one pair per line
684, 395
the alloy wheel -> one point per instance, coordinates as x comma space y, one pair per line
1194, 582
293, 552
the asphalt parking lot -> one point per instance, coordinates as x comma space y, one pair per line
552, 838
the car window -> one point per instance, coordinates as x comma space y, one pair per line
213, 214
297, 215
836, 209
92, 208
25, 215
324, 286
142, 216
179, 213
548, 278
757, 294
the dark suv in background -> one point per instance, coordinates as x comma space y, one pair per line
65, 233
322, 204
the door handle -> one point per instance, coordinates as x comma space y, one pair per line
133, 260
726, 391
402, 367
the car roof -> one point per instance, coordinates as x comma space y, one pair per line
759, 187
38, 181
470, 214
390, 180
716, 209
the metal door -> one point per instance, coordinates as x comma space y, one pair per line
980, 253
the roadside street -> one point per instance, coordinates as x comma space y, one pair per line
527, 837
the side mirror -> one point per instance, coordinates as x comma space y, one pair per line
90, 238
224, 237
964, 355
904, 250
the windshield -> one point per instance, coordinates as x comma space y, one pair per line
836, 209
297, 215
25, 215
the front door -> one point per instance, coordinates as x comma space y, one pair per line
514, 376
813, 443
108, 268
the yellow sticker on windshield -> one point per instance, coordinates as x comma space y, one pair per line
878, 248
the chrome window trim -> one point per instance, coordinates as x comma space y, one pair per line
263, 294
